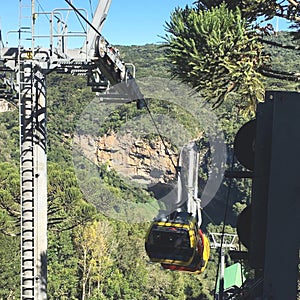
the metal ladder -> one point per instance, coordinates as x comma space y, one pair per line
27, 183
26, 102
26, 22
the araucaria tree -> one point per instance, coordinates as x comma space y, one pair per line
218, 47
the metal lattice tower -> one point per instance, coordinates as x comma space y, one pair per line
23, 71
33, 181
33, 160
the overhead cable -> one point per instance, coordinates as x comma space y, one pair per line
83, 17
161, 137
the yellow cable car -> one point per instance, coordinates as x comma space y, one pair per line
173, 240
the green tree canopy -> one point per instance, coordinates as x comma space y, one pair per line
251, 10
213, 52
9, 199
66, 205
218, 47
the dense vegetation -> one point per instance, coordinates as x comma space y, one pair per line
218, 47
91, 256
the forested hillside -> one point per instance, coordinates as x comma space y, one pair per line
90, 255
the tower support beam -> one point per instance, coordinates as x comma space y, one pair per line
33, 168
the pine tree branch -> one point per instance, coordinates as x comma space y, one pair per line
284, 46
268, 72
287, 17
294, 3
68, 227
3, 231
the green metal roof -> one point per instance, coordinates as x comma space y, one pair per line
233, 276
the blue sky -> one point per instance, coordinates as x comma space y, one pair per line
139, 21
129, 22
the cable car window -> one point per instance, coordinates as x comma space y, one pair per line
170, 237
167, 242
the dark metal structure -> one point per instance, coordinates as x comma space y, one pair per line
269, 226
22, 82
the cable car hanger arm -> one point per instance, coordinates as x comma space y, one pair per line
110, 64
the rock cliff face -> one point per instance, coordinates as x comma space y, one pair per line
142, 160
